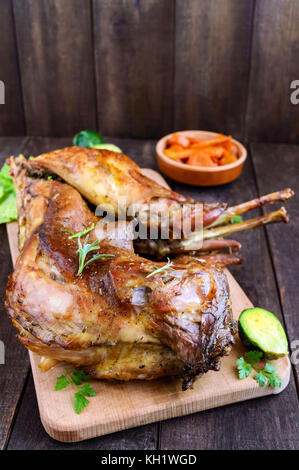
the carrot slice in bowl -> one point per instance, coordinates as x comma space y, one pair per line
201, 158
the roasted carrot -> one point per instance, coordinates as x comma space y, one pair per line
201, 158
231, 147
215, 152
179, 154
228, 158
179, 139
175, 151
221, 139
211, 152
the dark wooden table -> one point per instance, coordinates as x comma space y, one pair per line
269, 276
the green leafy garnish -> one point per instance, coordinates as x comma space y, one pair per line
163, 269
8, 206
87, 138
79, 234
236, 220
263, 376
274, 380
269, 368
244, 369
92, 139
86, 248
87, 390
260, 378
270, 373
254, 356
77, 378
80, 402
61, 383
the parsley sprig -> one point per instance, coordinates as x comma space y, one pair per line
162, 269
263, 376
76, 378
268, 373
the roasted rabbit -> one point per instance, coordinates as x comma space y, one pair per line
120, 317
105, 178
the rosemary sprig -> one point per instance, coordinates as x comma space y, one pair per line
162, 269
86, 248
79, 234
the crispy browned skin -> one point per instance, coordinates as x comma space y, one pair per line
113, 318
105, 178
123, 361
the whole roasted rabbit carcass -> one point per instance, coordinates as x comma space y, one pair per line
118, 318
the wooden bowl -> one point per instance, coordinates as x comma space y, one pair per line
199, 175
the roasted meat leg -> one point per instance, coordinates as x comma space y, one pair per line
113, 182
118, 318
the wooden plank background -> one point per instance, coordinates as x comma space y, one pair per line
141, 68
271, 116
212, 50
54, 41
134, 66
11, 113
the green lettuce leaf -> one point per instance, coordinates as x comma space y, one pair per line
8, 206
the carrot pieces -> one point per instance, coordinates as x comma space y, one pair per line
198, 152
201, 158
227, 158
220, 139
177, 152
179, 139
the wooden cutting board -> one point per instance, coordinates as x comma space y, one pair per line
120, 406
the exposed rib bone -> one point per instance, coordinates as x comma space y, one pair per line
223, 259
163, 248
207, 240
278, 196
218, 244
277, 216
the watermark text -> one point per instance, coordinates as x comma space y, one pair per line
2, 92
295, 94
2, 353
